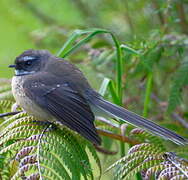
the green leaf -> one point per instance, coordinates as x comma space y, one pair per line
104, 86
129, 49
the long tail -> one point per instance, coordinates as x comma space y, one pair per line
138, 121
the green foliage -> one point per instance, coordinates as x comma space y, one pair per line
179, 82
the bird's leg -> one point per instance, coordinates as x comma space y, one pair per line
51, 125
14, 107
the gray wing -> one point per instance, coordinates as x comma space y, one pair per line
68, 106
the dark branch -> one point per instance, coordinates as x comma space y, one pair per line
104, 151
116, 136
9, 114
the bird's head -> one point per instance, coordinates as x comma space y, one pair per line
30, 61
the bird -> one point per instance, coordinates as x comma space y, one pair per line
54, 90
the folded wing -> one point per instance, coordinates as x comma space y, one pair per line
68, 106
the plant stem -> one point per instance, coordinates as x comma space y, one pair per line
119, 71
147, 94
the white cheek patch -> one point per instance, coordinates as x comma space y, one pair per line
22, 72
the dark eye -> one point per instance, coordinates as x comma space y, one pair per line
28, 63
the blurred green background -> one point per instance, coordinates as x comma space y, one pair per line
30, 24
45, 24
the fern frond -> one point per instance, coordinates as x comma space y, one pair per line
127, 173
6, 104
95, 157
178, 177
147, 147
24, 169
130, 157
19, 135
168, 175
24, 152
144, 136
33, 176
19, 129
56, 154
158, 168
18, 146
65, 153
151, 160
52, 164
11, 119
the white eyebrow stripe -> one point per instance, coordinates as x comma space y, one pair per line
26, 58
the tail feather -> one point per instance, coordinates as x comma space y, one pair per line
138, 121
